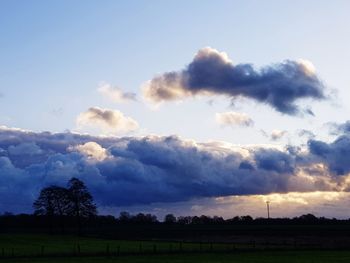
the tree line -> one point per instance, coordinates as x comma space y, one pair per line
73, 207
76, 201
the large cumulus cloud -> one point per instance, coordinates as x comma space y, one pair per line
143, 170
212, 73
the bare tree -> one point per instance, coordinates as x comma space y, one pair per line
52, 201
81, 201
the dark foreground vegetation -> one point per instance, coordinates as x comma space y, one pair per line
146, 226
57, 248
65, 227
71, 210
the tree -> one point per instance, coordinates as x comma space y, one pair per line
169, 219
81, 201
124, 217
52, 201
184, 220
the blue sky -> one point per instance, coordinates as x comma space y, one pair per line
55, 55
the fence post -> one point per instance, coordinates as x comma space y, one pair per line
107, 249
118, 250
42, 250
211, 246
180, 246
154, 248
200, 246
170, 247
140, 248
78, 248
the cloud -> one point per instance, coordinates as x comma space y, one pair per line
281, 205
274, 135
277, 134
92, 150
231, 118
106, 120
29, 148
274, 160
212, 73
306, 133
335, 154
116, 94
339, 128
124, 171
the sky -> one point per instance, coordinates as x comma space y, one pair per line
186, 107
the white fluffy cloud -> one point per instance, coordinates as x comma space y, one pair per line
116, 94
106, 120
232, 118
92, 150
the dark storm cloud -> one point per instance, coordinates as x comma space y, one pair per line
344, 127
274, 160
335, 155
169, 169
338, 128
212, 73
133, 171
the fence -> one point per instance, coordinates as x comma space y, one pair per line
158, 248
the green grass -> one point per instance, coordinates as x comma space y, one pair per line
35, 245
243, 257
27, 247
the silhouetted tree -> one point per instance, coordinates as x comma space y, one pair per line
81, 201
184, 220
124, 217
308, 218
195, 220
203, 219
52, 201
218, 220
169, 219
151, 218
246, 218
142, 218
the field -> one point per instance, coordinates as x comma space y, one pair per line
246, 257
46, 248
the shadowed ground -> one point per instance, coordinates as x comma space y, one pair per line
249, 257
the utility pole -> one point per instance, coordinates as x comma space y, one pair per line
268, 209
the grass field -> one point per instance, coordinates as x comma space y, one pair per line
246, 257
46, 248
41, 245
